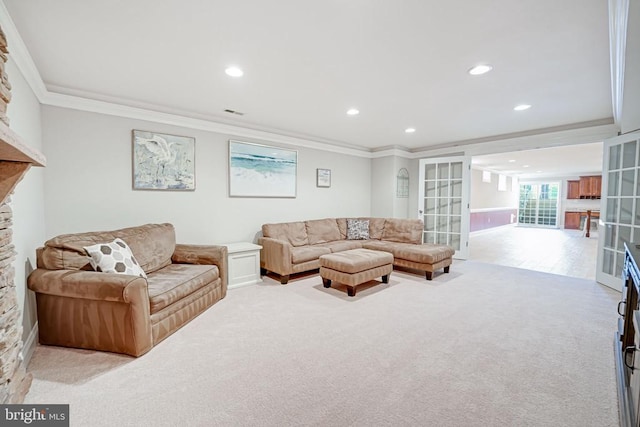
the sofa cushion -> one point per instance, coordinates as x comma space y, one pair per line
342, 245
424, 254
114, 257
380, 245
322, 230
357, 229
403, 230
307, 253
292, 232
376, 227
176, 281
342, 227
151, 244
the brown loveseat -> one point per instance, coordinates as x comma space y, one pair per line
295, 247
79, 307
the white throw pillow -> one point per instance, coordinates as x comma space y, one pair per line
114, 257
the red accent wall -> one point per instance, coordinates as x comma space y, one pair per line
490, 219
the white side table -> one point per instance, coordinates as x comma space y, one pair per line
244, 264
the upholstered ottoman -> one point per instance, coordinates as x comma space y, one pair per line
354, 267
427, 257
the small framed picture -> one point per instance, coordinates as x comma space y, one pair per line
323, 177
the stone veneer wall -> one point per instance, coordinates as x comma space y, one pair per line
14, 380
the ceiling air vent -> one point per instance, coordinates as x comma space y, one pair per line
237, 113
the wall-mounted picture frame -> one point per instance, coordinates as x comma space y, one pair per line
323, 178
163, 162
257, 170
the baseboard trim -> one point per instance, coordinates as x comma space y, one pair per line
29, 345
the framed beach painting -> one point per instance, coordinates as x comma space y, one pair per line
163, 162
261, 171
323, 178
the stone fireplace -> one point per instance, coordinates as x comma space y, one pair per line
16, 157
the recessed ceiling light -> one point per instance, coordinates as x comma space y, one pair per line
234, 72
538, 171
353, 111
525, 166
522, 107
480, 69
410, 130
512, 161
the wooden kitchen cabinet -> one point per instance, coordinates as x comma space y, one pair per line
572, 220
573, 189
590, 187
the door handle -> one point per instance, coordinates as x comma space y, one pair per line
627, 350
619, 304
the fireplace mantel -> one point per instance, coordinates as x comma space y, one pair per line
16, 157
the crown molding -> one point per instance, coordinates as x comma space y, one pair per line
113, 109
595, 131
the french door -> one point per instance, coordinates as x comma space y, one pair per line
443, 202
538, 204
620, 206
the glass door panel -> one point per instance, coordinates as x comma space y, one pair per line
444, 202
620, 203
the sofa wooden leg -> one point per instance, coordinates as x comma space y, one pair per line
284, 279
446, 269
385, 278
351, 291
263, 271
326, 282
429, 275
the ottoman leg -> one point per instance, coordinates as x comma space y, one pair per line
326, 282
446, 269
351, 291
385, 278
429, 275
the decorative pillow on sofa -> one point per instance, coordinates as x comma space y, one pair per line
114, 257
357, 229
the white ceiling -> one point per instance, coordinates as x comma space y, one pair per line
401, 63
570, 160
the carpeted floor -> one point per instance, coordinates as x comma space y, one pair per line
485, 345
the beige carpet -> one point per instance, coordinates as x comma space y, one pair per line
482, 346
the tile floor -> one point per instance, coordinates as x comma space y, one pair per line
557, 251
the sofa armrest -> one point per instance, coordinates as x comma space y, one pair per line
275, 255
203, 254
89, 285
87, 309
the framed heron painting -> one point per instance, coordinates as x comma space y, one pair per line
261, 171
163, 162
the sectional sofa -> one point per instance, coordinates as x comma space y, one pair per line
295, 247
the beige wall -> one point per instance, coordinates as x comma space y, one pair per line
90, 174
485, 195
384, 200
28, 200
